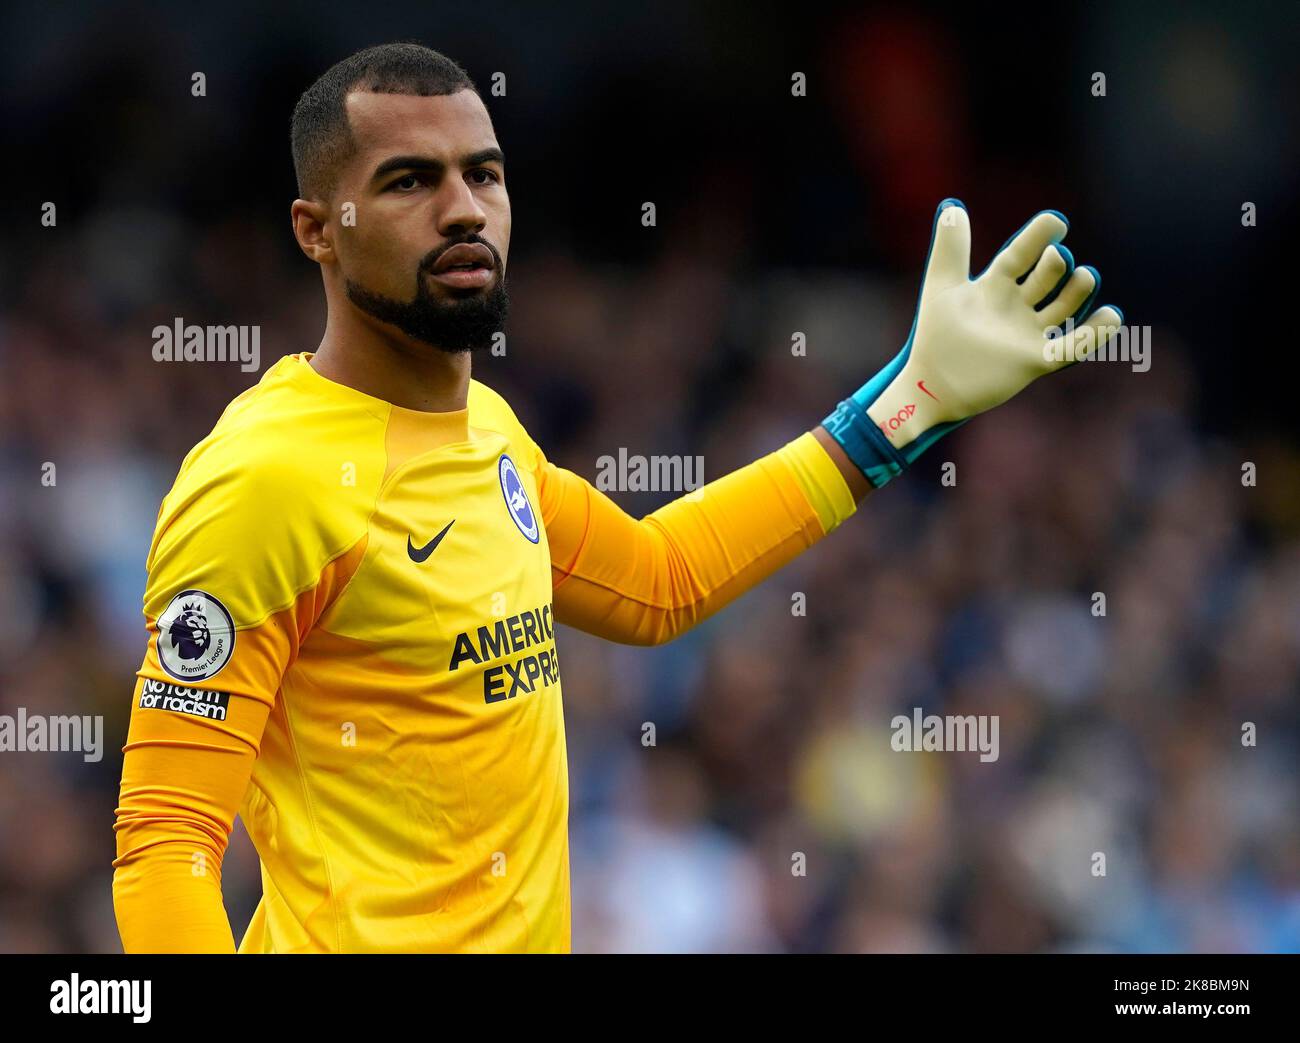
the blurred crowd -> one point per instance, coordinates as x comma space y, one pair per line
1120, 733
770, 814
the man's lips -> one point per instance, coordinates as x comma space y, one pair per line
464, 278
466, 256
465, 266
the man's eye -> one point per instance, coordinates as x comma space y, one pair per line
491, 175
403, 184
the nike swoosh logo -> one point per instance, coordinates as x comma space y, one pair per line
422, 553
921, 385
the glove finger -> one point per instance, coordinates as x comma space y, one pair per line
1086, 307
1049, 274
1076, 290
1027, 245
949, 260
1088, 336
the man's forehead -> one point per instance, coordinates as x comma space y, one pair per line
413, 122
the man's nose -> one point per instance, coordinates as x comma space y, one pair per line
460, 211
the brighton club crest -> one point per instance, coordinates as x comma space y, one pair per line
512, 488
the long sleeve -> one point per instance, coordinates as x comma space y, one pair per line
645, 581
237, 579
182, 784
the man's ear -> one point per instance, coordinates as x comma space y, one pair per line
309, 219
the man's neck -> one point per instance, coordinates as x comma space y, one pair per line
413, 376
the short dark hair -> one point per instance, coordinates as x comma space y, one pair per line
321, 137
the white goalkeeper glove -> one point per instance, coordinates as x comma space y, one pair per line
975, 342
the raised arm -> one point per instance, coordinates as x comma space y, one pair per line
974, 344
643, 582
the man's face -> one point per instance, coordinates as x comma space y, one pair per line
427, 177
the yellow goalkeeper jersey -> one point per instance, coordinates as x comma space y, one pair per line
351, 612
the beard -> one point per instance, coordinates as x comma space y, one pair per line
454, 325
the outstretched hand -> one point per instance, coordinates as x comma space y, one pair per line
975, 342
978, 341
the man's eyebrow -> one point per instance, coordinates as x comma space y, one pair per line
416, 162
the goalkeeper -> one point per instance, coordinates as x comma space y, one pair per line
354, 582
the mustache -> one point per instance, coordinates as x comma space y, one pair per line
431, 258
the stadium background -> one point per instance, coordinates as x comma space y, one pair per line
775, 214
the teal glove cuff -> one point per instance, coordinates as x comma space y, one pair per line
862, 439
863, 442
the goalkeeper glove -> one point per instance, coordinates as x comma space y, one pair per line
974, 342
